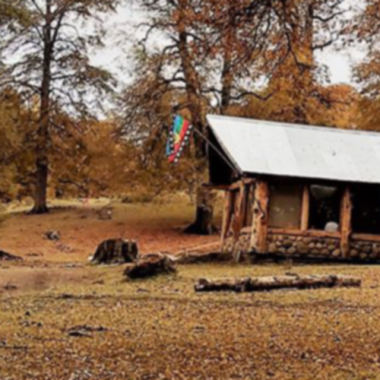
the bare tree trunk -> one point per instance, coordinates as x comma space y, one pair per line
43, 138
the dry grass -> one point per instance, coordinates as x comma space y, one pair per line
161, 329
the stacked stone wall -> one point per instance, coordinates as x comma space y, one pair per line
302, 246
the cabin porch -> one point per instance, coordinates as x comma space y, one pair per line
302, 218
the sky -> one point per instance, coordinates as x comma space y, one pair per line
114, 56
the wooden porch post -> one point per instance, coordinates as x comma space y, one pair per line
227, 215
239, 214
346, 221
305, 209
260, 218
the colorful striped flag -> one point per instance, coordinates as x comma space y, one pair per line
178, 138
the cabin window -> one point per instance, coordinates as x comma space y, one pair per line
366, 209
325, 207
285, 205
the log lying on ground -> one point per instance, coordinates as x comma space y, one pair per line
151, 265
116, 251
260, 284
4, 256
202, 258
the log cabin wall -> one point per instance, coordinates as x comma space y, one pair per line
299, 239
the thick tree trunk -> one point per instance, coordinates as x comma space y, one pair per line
203, 224
43, 138
204, 202
260, 284
40, 194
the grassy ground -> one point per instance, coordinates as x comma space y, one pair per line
64, 321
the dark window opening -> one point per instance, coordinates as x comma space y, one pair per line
366, 209
285, 206
325, 208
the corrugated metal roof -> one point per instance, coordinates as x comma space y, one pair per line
261, 147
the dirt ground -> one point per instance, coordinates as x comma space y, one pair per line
61, 318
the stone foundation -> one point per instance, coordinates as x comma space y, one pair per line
243, 245
304, 246
314, 247
364, 250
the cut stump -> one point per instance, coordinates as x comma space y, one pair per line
116, 251
260, 284
151, 265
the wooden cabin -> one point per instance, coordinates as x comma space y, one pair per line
297, 190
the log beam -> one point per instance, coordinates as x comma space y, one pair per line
234, 186
239, 218
305, 209
346, 225
309, 233
227, 216
366, 237
259, 239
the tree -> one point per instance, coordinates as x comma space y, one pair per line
364, 29
217, 53
213, 48
11, 139
49, 47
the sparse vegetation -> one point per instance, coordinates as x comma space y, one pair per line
62, 319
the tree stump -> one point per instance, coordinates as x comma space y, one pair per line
151, 265
116, 251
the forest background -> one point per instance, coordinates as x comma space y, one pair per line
74, 125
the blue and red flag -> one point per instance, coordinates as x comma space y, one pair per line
178, 138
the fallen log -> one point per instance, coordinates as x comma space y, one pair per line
151, 265
202, 258
5, 256
261, 284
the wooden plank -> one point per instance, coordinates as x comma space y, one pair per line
366, 237
309, 233
305, 209
233, 187
227, 215
260, 218
346, 229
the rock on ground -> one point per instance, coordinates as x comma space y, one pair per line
53, 235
